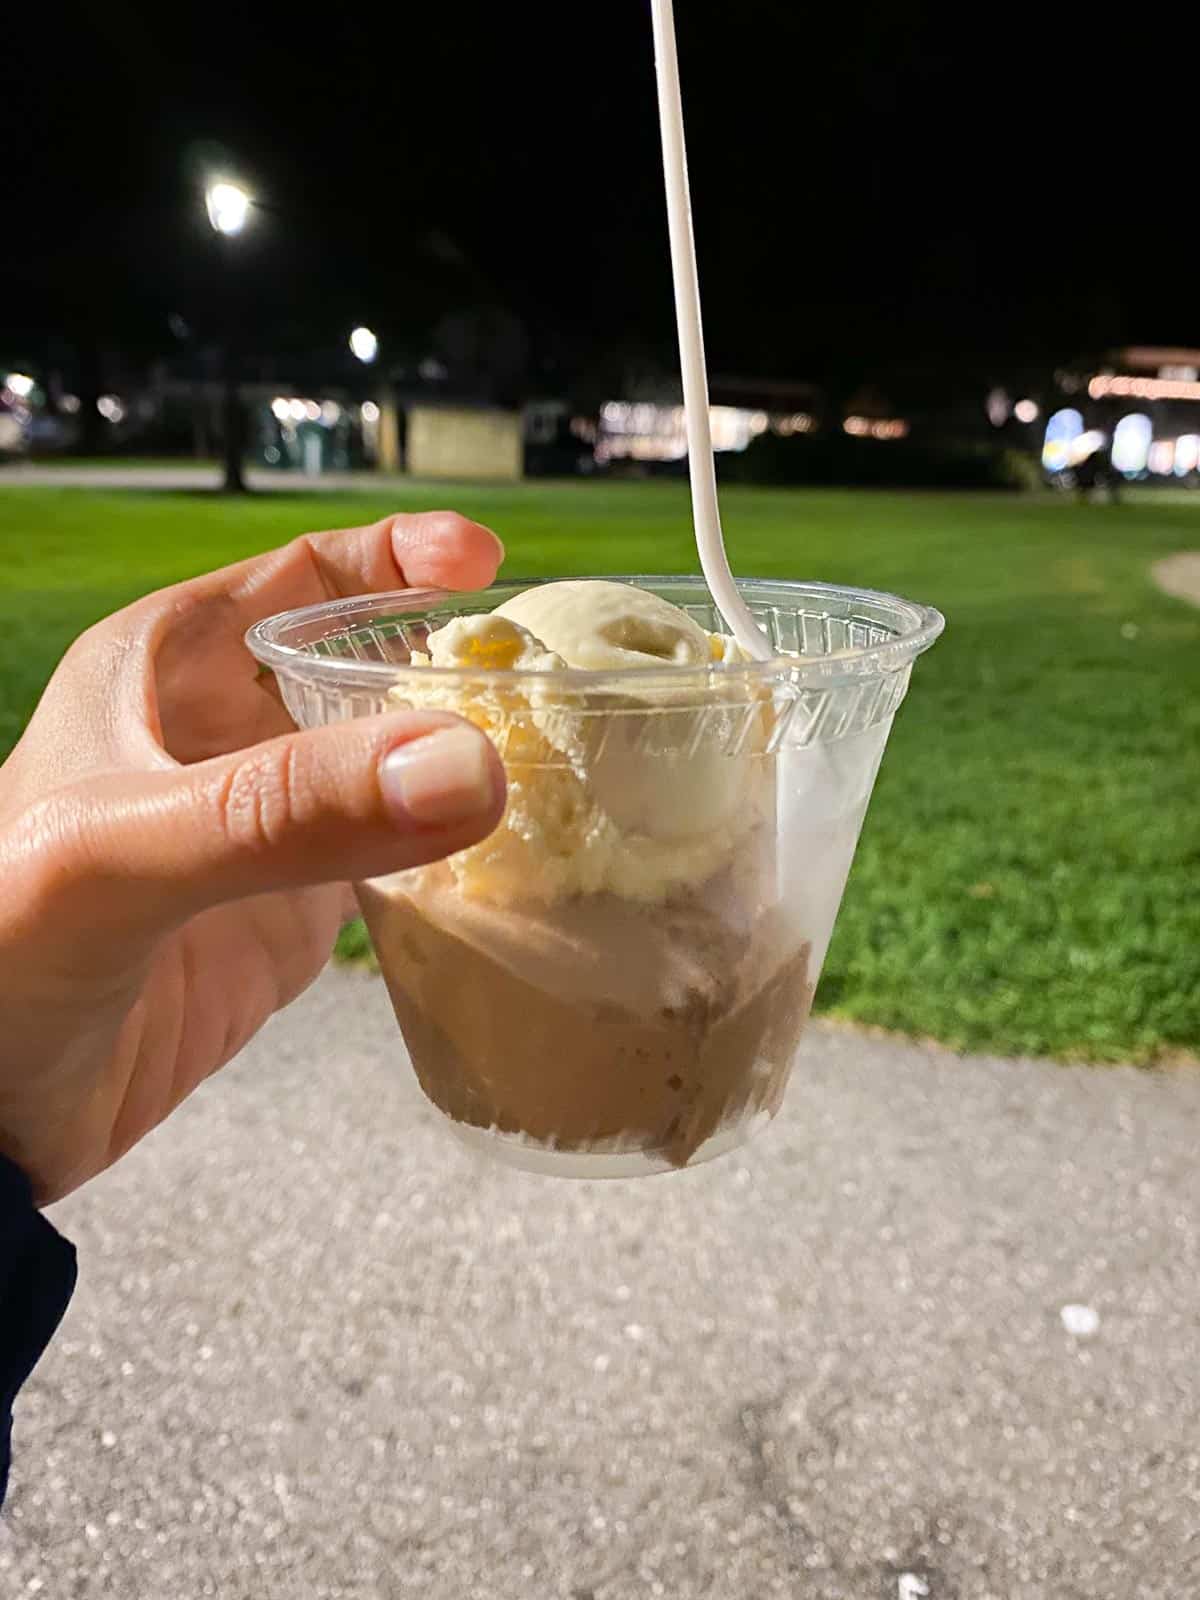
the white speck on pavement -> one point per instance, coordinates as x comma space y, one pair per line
1082, 1321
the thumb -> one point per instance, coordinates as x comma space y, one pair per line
352, 800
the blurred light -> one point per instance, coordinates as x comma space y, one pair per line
271, 455
1026, 411
648, 432
370, 411
1187, 374
431, 370
364, 344
998, 407
20, 383
732, 428
110, 407
884, 428
69, 403
800, 422
228, 206
1104, 384
296, 410
1131, 443
1062, 429
1187, 454
330, 412
280, 409
311, 410
1161, 459
1084, 446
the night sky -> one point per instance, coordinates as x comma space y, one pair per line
876, 187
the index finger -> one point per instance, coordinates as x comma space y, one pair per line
425, 550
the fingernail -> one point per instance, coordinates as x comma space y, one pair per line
442, 778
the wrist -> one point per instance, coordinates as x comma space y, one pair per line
37, 1277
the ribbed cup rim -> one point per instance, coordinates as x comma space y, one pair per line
916, 627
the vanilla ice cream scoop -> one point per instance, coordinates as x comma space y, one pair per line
634, 789
595, 626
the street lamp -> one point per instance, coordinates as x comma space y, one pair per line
228, 207
379, 414
364, 345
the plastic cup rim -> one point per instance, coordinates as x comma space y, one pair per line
924, 625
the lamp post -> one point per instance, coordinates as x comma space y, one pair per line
364, 346
228, 207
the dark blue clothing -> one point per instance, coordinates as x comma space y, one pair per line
37, 1275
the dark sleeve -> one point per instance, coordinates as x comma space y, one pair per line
37, 1275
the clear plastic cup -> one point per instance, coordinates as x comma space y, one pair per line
615, 983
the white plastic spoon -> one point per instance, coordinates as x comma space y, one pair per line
706, 515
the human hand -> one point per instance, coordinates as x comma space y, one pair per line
175, 854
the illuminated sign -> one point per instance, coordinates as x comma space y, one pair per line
1105, 384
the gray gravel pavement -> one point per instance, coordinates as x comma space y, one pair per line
319, 1350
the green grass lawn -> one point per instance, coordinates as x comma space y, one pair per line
1029, 875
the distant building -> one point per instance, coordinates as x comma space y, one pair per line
464, 442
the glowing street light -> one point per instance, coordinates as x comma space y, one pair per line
364, 345
20, 384
228, 207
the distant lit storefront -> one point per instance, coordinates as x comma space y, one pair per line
642, 431
1141, 404
743, 411
309, 435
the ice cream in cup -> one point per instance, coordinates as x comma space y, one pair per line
615, 981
